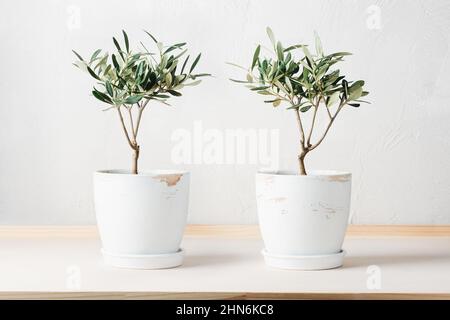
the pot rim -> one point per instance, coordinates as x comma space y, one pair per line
143, 173
311, 174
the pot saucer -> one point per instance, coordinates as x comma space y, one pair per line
147, 261
308, 262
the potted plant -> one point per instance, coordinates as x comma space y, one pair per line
141, 215
303, 215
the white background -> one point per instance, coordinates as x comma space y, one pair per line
53, 134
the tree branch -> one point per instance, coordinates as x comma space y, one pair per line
342, 104
130, 114
300, 126
141, 109
308, 142
124, 127
328, 112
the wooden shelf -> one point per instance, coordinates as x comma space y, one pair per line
224, 262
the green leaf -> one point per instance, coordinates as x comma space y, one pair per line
362, 101
332, 99
109, 88
318, 43
356, 90
355, 105
92, 73
184, 64
194, 76
345, 86
175, 46
125, 37
305, 108
260, 88
102, 62
115, 63
271, 36
305, 65
138, 72
239, 81
280, 54
160, 46
180, 54
174, 93
168, 79
162, 96
321, 72
355, 93
280, 86
192, 83
276, 103
289, 84
297, 46
195, 62
101, 96
339, 54
153, 38
78, 56
118, 48
297, 106
95, 54
358, 83
133, 99
255, 56
308, 56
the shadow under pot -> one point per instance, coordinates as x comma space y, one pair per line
141, 217
303, 218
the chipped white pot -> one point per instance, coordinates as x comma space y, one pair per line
141, 218
303, 219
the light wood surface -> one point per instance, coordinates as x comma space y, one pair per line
414, 261
218, 296
228, 231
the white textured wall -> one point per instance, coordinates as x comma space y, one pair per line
53, 134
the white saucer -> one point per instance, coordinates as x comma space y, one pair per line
150, 261
311, 262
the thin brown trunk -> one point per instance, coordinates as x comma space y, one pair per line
134, 165
301, 163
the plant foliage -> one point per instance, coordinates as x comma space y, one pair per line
128, 80
126, 77
305, 82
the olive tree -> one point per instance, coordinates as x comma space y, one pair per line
306, 83
127, 81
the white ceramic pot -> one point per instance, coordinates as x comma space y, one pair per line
303, 219
141, 218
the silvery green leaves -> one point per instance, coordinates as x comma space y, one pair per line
302, 77
126, 77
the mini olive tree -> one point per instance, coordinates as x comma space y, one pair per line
306, 83
128, 81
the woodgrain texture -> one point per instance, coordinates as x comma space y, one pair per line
230, 231
44, 262
219, 295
